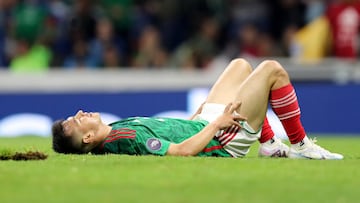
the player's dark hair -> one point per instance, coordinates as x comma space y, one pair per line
62, 143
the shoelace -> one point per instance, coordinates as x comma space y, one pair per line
315, 146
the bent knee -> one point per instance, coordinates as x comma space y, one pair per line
240, 63
273, 66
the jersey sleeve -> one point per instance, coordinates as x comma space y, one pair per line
139, 144
156, 146
145, 145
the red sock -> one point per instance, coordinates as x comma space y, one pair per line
285, 105
266, 133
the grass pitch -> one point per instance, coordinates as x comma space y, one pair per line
121, 178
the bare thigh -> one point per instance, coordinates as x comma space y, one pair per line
254, 96
226, 88
252, 92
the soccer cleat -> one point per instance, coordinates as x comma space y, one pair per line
273, 148
307, 149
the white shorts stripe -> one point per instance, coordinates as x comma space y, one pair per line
236, 141
230, 136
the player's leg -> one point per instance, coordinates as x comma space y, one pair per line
284, 102
227, 88
255, 90
270, 145
227, 85
268, 79
252, 92
237, 71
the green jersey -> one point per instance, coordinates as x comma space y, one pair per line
144, 136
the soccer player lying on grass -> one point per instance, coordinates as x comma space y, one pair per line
231, 119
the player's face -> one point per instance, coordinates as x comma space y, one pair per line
81, 123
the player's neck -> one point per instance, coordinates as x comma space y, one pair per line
104, 130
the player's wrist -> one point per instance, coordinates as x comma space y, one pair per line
215, 125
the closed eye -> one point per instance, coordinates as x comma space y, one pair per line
77, 121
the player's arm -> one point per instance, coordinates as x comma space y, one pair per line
198, 142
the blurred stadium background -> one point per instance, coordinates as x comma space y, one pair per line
156, 57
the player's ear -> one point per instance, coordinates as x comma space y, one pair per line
88, 137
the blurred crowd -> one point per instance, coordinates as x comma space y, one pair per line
36, 35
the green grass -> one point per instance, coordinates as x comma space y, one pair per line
120, 178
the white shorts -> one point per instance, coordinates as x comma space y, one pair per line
235, 141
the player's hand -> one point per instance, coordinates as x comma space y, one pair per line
229, 117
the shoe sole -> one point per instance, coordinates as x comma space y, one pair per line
277, 154
297, 156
